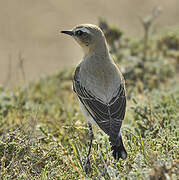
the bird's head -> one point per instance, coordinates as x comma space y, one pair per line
89, 37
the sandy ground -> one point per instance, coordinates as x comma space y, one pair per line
29, 30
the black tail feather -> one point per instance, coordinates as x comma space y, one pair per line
119, 150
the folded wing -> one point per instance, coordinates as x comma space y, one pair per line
108, 116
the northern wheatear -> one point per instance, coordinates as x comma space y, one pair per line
100, 86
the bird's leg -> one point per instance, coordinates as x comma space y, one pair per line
91, 137
87, 165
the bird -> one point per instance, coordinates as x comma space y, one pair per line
100, 87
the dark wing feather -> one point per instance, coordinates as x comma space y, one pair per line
108, 116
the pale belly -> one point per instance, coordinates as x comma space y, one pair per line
86, 114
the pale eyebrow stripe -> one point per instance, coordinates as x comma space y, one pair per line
83, 29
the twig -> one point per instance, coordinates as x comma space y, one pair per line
147, 23
8, 78
21, 65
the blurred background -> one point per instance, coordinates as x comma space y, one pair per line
29, 31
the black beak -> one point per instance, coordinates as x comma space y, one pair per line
68, 32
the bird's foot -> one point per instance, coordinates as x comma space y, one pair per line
87, 166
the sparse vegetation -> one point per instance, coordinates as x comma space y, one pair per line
43, 133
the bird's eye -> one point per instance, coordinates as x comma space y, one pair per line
79, 33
